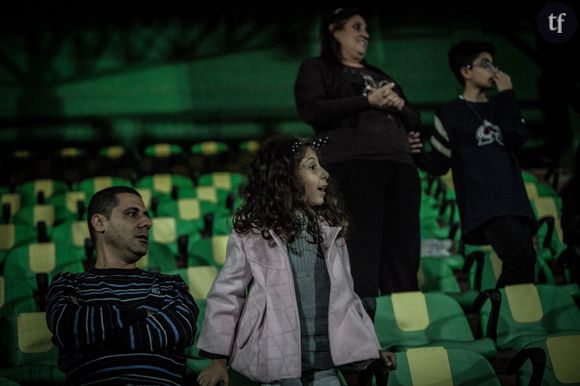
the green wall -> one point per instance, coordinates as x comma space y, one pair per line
232, 85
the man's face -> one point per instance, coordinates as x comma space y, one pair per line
126, 232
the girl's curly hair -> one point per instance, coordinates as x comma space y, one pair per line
274, 196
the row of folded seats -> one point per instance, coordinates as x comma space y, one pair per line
457, 330
73, 164
44, 210
524, 335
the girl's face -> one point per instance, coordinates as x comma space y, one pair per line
313, 177
353, 39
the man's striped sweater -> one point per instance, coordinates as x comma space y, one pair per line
121, 326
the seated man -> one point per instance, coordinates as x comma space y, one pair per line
117, 324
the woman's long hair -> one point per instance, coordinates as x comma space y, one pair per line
329, 46
274, 196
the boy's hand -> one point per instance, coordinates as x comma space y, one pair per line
389, 359
502, 81
214, 374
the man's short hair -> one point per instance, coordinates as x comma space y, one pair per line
464, 53
103, 203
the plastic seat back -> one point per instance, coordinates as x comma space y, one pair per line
530, 313
442, 367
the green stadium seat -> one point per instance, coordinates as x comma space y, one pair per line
162, 150
92, 185
112, 152
30, 190
529, 177
12, 235
187, 209
18, 295
74, 203
146, 196
163, 158
75, 234
222, 180
222, 224
415, 319
208, 251
171, 231
13, 202
249, 146
439, 366
550, 235
199, 279
28, 355
210, 148
50, 214
158, 258
163, 184
529, 313
27, 260
435, 275
562, 366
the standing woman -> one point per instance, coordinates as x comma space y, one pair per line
372, 134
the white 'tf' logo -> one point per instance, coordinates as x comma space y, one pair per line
559, 19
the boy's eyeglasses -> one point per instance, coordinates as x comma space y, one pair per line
485, 64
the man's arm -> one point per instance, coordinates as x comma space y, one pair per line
76, 326
171, 327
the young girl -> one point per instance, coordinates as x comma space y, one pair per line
283, 309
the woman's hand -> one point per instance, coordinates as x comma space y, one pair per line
376, 96
414, 138
214, 374
389, 359
385, 98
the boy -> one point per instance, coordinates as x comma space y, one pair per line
476, 136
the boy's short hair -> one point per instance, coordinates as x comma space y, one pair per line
464, 53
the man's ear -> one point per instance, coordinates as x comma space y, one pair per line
98, 222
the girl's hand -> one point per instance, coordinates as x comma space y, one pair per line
389, 359
214, 374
